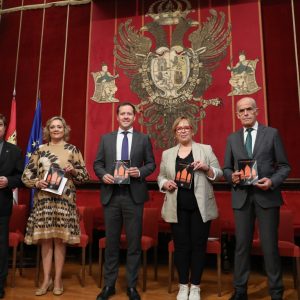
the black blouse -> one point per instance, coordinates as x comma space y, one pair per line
185, 197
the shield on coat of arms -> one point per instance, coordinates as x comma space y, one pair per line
170, 72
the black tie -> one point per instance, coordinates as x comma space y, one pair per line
248, 143
124, 150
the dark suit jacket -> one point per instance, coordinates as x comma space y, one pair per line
11, 166
271, 162
141, 156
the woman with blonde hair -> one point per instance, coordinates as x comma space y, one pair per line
54, 221
186, 173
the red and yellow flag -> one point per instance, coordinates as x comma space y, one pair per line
11, 133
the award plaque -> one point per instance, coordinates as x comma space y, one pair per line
248, 168
121, 175
55, 177
184, 175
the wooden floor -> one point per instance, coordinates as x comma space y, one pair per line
156, 290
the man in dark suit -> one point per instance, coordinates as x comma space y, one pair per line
11, 169
261, 200
123, 204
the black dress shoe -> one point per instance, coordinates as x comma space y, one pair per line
2, 293
133, 294
106, 292
238, 296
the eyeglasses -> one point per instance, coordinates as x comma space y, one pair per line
183, 128
249, 110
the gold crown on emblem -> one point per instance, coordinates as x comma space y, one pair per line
169, 12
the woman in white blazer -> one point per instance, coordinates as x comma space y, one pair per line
189, 207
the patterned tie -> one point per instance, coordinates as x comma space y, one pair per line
124, 150
248, 143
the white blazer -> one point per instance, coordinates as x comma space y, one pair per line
203, 188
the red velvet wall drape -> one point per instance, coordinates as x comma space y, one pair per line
67, 93
51, 61
280, 62
219, 121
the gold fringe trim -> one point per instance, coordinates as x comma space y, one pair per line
42, 6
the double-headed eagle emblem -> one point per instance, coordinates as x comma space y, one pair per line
169, 77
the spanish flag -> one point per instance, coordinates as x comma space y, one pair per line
11, 134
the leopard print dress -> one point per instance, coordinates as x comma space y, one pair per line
54, 216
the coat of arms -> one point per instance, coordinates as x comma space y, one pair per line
169, 77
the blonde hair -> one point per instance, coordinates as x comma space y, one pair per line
178, 120
46, 131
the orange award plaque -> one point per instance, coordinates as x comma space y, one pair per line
184, 175
121, 175
248, 168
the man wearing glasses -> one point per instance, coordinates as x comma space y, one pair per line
262, 146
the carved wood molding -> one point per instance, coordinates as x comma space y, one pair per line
42, 5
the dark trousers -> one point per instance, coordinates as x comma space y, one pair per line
268, 222
121, 210
4, 231
190, 236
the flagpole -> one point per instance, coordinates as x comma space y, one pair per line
40, 55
